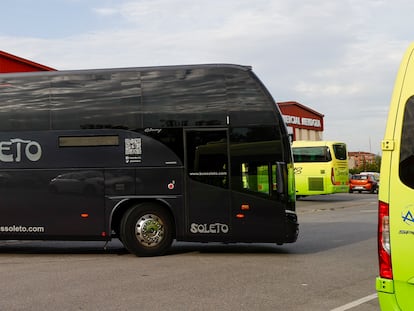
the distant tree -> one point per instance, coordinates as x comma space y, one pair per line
368, 166
354, 171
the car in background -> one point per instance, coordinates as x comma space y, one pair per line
363, 182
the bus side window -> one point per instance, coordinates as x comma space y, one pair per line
254, 152
406, 167
255, 177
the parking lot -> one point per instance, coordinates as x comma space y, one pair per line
332, 264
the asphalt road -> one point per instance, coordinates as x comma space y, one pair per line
332, 266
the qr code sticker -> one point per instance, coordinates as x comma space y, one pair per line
133, 146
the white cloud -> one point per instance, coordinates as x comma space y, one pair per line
105, 11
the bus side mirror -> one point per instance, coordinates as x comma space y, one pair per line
290, 138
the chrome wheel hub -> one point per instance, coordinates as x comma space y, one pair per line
149, 230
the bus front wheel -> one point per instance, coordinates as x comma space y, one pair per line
146, 230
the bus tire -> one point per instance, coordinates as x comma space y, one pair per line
146, 230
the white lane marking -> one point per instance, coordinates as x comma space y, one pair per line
356, 303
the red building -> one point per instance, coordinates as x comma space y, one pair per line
12, 63
302, 122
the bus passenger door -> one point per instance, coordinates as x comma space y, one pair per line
259, 185
258, 202
207, 184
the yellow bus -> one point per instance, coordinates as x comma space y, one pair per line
395, 282
321, 167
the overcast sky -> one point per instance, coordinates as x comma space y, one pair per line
338, 57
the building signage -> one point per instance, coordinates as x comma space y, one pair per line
316, 123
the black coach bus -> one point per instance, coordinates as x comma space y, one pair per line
146, 155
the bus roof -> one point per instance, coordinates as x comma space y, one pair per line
138, 69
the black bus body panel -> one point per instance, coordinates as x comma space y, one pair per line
77, 147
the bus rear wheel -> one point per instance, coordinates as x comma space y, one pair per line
146, 230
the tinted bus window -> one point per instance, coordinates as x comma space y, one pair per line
245, 96
312, 154
25, 104
254, 153
406, 167
96, 101
186, 97
340, 151
207, 159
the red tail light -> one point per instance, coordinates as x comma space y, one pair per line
384, 247
333, 178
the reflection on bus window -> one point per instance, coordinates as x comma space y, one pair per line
255, 177
312, 154
207, 157
254, 152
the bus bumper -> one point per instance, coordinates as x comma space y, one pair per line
341, 189
386, 295
292, 227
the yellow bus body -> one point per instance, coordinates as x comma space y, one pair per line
395, 283
319, 169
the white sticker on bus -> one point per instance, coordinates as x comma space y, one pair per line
16, 148
209, 228
133, 150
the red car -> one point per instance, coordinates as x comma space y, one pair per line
363, 182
